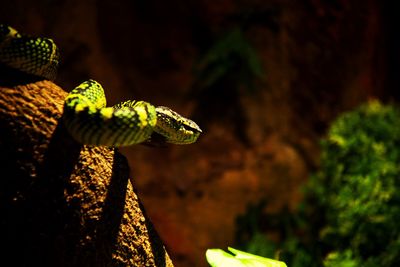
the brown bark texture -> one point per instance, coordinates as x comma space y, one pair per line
63, 203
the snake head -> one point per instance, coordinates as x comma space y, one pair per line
175, 128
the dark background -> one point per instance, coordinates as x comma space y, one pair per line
264, 98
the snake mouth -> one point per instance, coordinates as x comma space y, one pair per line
191, 126
195, 130
191, 129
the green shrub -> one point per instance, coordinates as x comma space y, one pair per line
351, 213
358, 185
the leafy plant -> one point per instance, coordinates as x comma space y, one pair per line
230, 65
351, 213
358, 186
231, 57
237, 258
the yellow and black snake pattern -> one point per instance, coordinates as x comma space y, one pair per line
86, 116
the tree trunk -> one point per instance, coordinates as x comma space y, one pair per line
63, 203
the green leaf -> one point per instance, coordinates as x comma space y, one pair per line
220, 258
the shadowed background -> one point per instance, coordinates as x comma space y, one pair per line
263, 79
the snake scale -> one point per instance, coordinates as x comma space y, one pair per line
86, 116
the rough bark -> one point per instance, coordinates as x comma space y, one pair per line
63, 203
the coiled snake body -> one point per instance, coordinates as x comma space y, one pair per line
86, 116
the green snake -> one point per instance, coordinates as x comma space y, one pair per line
86, 116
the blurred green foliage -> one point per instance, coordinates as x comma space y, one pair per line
226, 70
358, 186
351, 213
231, 57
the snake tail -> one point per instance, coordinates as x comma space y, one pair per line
36, 56
89, 121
